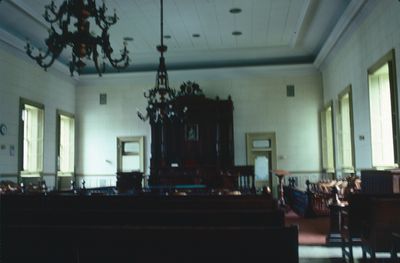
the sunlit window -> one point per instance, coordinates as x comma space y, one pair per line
328, 159
382, 123
345, 132
32, 116
66, 151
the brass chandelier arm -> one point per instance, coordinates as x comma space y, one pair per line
55, 15
40, 58
102, 18
115, 62
96, 62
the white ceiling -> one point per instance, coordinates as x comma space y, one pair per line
273, 31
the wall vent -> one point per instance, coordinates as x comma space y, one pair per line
103, 98
290, 90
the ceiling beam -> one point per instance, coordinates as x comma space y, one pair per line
344, 22
306, 16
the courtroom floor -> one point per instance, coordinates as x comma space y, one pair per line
312, 240
325, 254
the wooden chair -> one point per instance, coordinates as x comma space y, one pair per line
245, 178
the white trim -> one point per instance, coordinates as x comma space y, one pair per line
30, 175
227, 72
345, 20
16, 46
305, 16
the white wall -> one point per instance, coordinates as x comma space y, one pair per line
23, 78
374, 33
260, 105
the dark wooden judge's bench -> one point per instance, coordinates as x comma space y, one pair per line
197, 147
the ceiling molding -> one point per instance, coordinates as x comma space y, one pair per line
304, 20
344, 22
21, 5
17, 46
201, 74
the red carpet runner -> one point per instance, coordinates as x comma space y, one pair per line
312, 231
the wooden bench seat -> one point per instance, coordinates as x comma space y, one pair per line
144, 229
153, 244
355, 217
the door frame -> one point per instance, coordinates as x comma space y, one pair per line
251, 151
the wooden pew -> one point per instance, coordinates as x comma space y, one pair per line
353, 219
154, 244
139, 211
93, 228
299, 201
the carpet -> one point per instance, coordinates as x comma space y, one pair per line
312, 231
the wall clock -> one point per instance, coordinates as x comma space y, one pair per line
3, 129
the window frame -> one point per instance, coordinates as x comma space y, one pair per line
324, 150
60, 113
347, 91
120, 151
22, 173
388, 58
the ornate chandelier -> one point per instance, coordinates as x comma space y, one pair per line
75, 14
160, 98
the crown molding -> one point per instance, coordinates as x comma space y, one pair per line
230, 73
35, 16
344, 22
17, 47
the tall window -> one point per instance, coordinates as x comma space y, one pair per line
66, 144
32, 127
328, 158
383, 114
346, 131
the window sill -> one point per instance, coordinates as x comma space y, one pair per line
64, 174
385, 167
30, 175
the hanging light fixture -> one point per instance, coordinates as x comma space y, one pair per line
159, 99
75, 15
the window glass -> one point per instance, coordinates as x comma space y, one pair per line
381, 118
32, 146
346, 137
130, 154
328, 160
66, 157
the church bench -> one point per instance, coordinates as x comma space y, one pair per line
141, 202
152, 244
141, 210
354, 217
187, 217
57, 223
